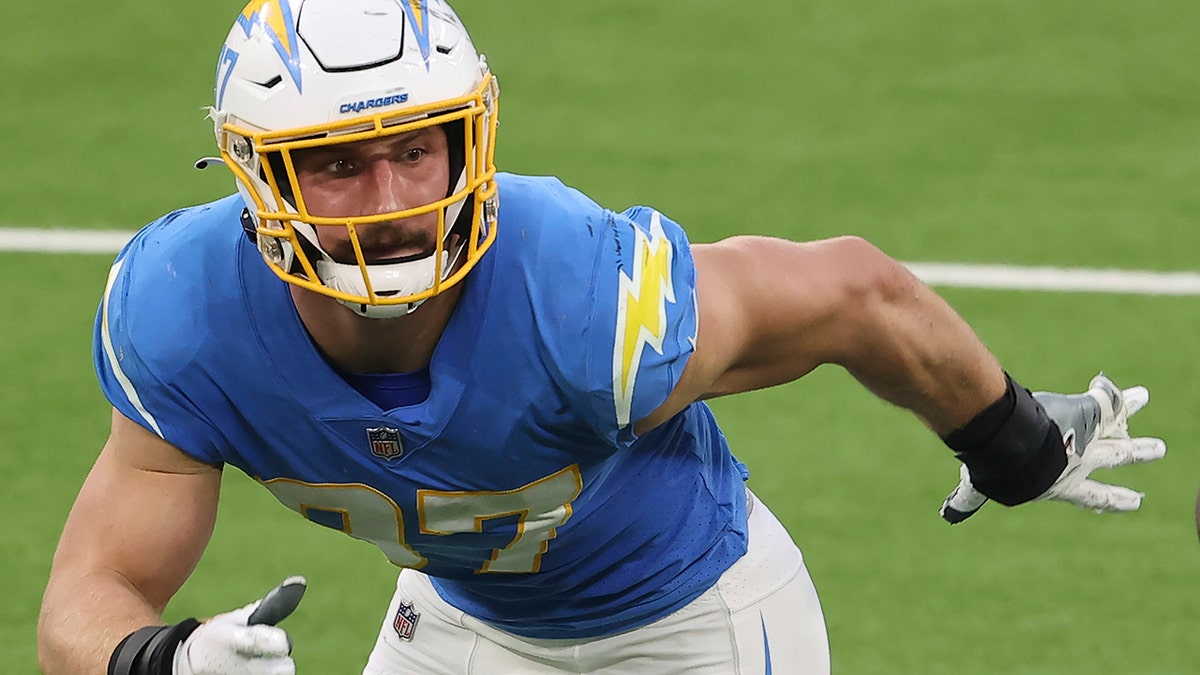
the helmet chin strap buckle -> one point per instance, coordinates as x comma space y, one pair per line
205, 162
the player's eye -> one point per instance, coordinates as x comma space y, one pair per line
412, 155
341, 167
319, 164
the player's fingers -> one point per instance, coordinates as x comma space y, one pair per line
1147, 449
1114, 414
279, 602
1107, 454
965, 498
963, 502
272, 667
261, 641
1198, 515
1135, 398
954, 516
268, 667
1101, 497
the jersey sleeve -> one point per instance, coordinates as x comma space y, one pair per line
613, 299
141, 348
644, 319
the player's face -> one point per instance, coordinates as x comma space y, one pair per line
372, 177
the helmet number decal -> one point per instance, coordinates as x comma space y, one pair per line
226, 63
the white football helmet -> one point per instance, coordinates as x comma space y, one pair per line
297, 74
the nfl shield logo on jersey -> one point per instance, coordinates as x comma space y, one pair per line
406, 621
385, 442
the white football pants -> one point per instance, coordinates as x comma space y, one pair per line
761, 617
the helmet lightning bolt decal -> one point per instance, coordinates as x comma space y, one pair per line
641, 311
278, 24
418, 19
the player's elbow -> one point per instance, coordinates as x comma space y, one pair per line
50, 642
64, 644
872, 279
874, 293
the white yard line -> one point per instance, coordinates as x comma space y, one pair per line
1058, 279
956, 275
62, 241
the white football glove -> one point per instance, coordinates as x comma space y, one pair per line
244, 641
1090, 445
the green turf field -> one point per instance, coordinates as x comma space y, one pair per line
1014, 131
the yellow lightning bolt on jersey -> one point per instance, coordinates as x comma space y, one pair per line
641, 311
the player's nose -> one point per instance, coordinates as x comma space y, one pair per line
386, 188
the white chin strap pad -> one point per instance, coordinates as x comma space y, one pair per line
406, 278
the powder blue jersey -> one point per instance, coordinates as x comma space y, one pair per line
518, 484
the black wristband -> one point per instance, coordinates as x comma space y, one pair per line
150, 650
1013, 449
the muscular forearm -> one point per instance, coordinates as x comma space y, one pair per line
83, 619
138, 527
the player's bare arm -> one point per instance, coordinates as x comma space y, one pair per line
771, 310
138, 527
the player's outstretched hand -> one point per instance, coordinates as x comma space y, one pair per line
245, 641
1096, 435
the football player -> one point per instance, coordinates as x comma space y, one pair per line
495, 380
